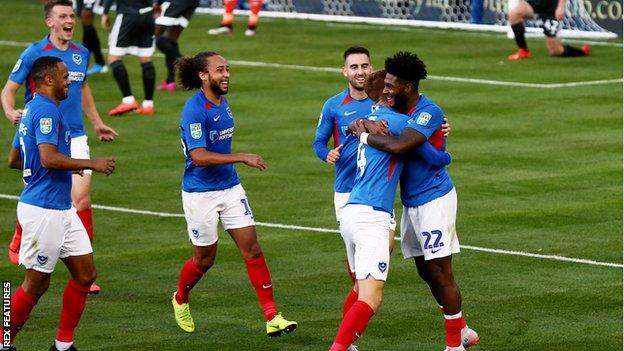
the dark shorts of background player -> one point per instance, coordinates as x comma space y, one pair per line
545, 10
86, 5
132, 31
177, 13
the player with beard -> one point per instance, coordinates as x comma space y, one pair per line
52, 229
211, 189
60, 20
428, 195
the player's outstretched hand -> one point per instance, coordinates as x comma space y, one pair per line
105, 133
104, 165
255, 161
446, 127
333, 155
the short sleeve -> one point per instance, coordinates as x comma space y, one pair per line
426, 121
47, 124
22, 67
193, 128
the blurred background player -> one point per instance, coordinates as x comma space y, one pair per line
52, 229
228, 18
132, 34
60, 20
211, 189
428, 195
90, 39
171, 19
551, 12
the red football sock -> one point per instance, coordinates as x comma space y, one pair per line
21, 305
17, 238
260, 278
353, 325
86, 217
254, 6
74, 303
189, 276
453, 326
228, 15
349, 301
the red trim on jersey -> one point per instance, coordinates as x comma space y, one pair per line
336, 134
412, 110
437, 139
74, 47
31, 85
346, 100
393, 162
48, 47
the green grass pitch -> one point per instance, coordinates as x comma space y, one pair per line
537, 170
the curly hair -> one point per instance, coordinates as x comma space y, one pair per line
406, 66
188, 68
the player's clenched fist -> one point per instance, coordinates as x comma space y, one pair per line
104, 165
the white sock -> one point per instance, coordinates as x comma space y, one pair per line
148, 103
62, 346
128, 99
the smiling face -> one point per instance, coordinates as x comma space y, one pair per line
396, 92
60, 81
217, 75
61, 21
356, 69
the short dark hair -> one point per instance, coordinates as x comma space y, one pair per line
188, 68
49, 5
42, 66
355, 50
406, 66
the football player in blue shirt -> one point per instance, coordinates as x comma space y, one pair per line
52, 229
428, 194
59, 18
211, 189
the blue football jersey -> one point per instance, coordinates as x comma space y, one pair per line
422, 182
378, 172
207, 125
43, 123
337, 113
76, 58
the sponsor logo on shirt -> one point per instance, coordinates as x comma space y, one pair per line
76, 76
216, 135
196, 130
45, 125
77, 58
349, 113
17, 66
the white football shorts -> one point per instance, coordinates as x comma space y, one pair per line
340, 201
48, 235
80, 150
429, 229
366, 236
204, 210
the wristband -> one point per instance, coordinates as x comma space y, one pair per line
364, 138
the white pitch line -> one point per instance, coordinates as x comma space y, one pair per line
430, 77
327, 230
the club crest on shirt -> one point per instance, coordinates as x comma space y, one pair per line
382, 266
45, 125
77, 58
229, 112
196, 130
17, 66
423, 119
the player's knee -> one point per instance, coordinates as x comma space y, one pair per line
86, 278
204, 263
252, 251
163, 44
82, 203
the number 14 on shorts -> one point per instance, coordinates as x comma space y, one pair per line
436, 235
